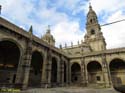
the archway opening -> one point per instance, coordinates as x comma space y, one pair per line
9, 60
95, 74
65, 72
75, 73
54, 71
92, 32
36, 70
117, 69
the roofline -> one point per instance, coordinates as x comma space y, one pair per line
5, 23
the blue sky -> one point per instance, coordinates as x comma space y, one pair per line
67, 18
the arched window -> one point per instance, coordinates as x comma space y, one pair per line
91, 21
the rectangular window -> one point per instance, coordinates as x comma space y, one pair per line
98, 78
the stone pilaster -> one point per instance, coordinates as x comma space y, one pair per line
67, 72
61, 71
109, 75
84, 73
69, 69
58, 73
44, 70
26, 68
48, 69
27, 60
26, 76
19, 70
105, 72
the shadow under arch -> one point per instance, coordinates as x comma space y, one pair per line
54, 67
10, 52
15, 42
65, 72
36, 69
75, 73
95, 75
117, 70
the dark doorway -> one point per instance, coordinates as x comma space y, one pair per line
54, 71
36, 70
65, 72
75, 73
94, 72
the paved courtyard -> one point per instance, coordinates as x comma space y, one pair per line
70, 90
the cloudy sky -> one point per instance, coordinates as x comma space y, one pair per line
67, 18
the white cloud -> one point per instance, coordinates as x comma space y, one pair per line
68, 4
114, 34
106, 5
65, 29
17, 9
67, 32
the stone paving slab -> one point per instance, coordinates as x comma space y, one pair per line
70, 90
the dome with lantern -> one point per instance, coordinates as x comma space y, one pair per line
48, 37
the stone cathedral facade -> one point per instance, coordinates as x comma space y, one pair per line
28, 61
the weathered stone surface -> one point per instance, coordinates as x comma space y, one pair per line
71, 90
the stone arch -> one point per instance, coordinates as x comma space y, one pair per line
21, 48
54, 67
10, 53
117, 71
36, 69
95, 74
75, 73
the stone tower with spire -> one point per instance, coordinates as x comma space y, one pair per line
94, 36
48, 37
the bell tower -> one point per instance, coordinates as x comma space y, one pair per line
94, 36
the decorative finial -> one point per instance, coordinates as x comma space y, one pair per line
48, 26
71, 44
78, 42
65, 45
89, 3
31, 29
48, 29
60, 46
90, 7
0, 9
